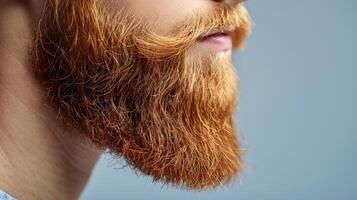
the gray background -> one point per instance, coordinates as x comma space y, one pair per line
297, 112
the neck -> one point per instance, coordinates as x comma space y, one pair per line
39, 158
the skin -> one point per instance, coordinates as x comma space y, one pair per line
167, 12
33, 164
37, 160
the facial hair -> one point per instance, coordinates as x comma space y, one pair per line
145, 97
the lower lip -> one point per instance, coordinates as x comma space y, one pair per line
217, 42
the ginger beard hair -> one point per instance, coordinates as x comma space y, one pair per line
144, 96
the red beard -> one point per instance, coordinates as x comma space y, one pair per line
145, 97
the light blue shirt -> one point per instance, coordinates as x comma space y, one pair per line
5, 196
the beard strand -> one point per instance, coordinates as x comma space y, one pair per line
144, 96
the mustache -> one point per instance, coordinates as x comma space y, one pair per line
189, 30
154, 46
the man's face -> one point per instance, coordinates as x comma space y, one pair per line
152, 81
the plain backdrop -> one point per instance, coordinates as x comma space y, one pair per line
297, 111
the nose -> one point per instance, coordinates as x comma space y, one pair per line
231, 2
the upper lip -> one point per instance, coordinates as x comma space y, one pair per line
221, 30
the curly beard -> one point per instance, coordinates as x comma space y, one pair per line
146, 97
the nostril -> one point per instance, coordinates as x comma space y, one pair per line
230, 1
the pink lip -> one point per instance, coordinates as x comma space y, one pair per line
219, 39
218, 42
